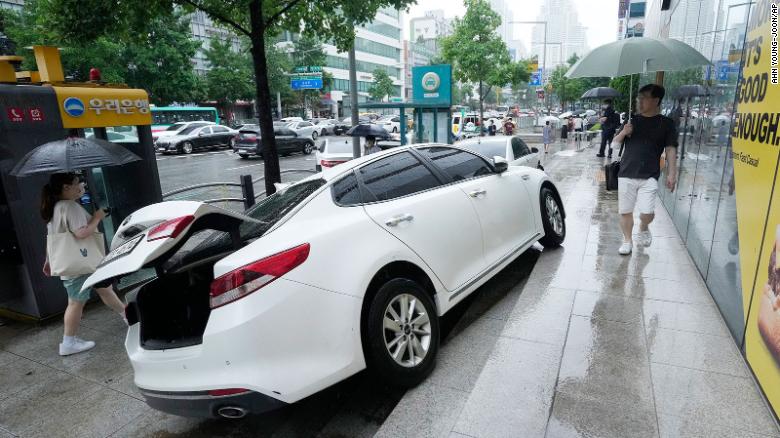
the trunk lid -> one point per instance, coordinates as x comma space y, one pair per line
135, 249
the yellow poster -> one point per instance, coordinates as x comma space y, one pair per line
756, 149
92, 107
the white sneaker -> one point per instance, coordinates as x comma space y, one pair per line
77, 346
645, 238
625, 248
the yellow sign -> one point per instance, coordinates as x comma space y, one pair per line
756, 153
85, 107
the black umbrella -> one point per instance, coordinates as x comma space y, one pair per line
688, 91
368, 130
70, 154
601, 93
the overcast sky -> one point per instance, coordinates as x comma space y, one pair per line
598, 16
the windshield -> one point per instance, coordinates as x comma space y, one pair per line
176, 126
339, 147
488, 149
188, 130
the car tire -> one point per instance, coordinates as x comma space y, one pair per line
308, 148
243, 156
186, 148
378, 341
552, 219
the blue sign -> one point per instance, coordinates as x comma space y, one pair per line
73, 106
536, 78
306, 84
432, 84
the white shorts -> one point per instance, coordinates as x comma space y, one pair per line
639, 193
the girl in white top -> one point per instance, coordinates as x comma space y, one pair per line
58, 201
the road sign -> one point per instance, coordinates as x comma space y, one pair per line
536, 78
308, 83
308, 69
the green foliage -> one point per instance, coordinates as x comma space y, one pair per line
567, 90
382, 86
622, 84
573, 59
231, 76
674, 79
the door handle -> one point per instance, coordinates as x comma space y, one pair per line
477, 193
393, 221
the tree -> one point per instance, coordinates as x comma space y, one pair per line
382, 86
622, 84
476, 51
258, 20
567, 90
230, 77
308, 51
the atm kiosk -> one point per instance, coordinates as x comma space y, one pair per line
40, 106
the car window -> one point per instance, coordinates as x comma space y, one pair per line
397, 175
219, 129
487, 148
304, 125
339, 147
519, 148
459, 165
188, 130
205, 131
346, 192
176, 126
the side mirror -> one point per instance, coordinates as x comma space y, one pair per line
500, 164
535, 150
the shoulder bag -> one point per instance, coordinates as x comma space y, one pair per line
69, 256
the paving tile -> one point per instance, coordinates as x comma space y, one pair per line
37, 401
541, 315
126, 385
103, 364
711, 398
426, 411
22, 374
673, 426
42, 343
698, 318
101, 318
605, 306
99, 414
695, 350
514, 392
6, 358
573, 416
462, 357
606, 361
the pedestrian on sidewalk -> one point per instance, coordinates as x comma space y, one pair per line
609, 124
59, 206
492, 127
508, 126
547, 136
578, 124
645, 137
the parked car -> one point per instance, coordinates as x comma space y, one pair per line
346, 124
238, 124
197, 137
513, 149
390, 123
176, 128
291, 119
331, 153
328, 126
248, 142
305, 129
347, 269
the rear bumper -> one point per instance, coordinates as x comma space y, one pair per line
201, 404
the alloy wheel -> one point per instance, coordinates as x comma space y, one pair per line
554, 214
407, 330
187, 148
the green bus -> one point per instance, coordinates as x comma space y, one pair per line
165, 116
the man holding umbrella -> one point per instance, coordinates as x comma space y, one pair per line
609, 124
647, 135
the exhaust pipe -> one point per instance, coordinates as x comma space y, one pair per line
232, 412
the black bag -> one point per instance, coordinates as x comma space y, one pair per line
611, 171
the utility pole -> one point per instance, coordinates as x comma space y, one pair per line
353, 98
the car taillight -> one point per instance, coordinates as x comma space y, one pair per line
169, 228
243, 281
249, 136
330, 163
226, 391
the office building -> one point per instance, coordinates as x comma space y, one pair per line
631, 18
565, 34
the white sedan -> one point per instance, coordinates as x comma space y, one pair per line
347, 269
391, 124
512, 148
305, 129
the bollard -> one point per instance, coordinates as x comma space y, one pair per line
248, 190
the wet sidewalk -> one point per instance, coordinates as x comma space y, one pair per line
593, 344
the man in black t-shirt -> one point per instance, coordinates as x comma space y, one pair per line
647, 135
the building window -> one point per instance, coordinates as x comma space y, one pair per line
364, 45
369, 67
636, 10
390, 12
384, 29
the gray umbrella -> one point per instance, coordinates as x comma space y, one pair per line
601, 93
688, 91
70, 154
368, 130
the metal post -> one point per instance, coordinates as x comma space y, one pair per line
353, 98
403, 126
248, 191
544, 66
279, 104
